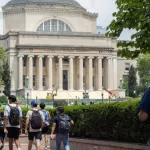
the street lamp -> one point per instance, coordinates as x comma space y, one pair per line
27, 82
102, 96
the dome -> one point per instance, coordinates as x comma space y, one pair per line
72, 3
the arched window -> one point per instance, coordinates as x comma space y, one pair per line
53, 25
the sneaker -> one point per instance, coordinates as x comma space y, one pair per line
45, 148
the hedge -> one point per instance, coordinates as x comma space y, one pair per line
114, 121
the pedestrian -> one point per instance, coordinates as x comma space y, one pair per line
13, 122
2, 133
45, 128
35, 121
62, 124
144, 107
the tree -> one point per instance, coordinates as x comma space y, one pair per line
132, 84
6, 79
2, 60
132, 14
125, 86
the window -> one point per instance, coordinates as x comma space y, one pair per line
34, 62
44, 62
34, 80
66, 61
44, 80
127, 66
24, 61
24, 80
53, 25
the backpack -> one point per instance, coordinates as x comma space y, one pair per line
63, 123
46, 118
36, 120
14, 117
1, 124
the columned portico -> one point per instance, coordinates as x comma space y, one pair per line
50, 73
90, 73
110, 73
71, 73
99, 69
40, 73
20, 72
30, 71
60, 86
81, 73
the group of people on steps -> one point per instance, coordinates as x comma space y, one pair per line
37, 124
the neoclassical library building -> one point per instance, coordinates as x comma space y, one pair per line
54, 44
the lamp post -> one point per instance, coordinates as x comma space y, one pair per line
27, 87
121, 82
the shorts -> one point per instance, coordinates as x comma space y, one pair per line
45, 130
13, 132
36, 135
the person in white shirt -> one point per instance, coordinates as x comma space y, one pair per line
13, 122
35, 121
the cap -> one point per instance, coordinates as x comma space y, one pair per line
34, 102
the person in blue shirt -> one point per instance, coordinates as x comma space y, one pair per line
144, 107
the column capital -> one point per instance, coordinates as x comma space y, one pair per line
60, 56
81, 57
114, 57
31, 56
20, 55
50, 56
70, 56
90, 57
100, 57
40, 56
109, 57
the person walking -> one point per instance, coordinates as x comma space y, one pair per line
45, 128
35, 121
2, 133
62, 124
13, 122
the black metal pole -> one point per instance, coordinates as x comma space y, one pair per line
27, 100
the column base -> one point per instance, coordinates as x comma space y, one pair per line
40, 89
71, 89
100, 90
81, 90
50, 89
90, 89
60, 89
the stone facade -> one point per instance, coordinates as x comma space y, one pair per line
57, 47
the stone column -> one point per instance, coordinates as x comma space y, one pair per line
20, 72
71, 73
110, 73
115, 84
99, 73
81, 73
40, 73
90, 73
30, 71
60, 88
50, 73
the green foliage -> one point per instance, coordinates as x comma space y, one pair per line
3, 99
132, 84
132, 14
125, 86
6, 79
2, 60
115, 121
60, 103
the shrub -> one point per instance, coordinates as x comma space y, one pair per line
60, 103
3, 99
114, 121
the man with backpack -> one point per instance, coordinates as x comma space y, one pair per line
35, 120
45, 128
144, 107
13, 122
62, 124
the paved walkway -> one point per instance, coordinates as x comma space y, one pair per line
24, 147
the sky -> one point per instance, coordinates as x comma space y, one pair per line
104, 8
